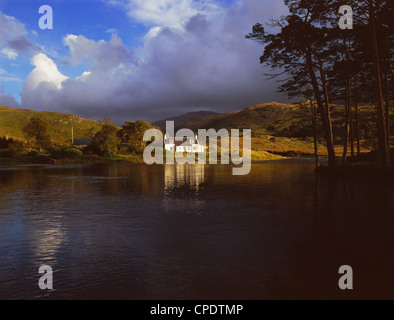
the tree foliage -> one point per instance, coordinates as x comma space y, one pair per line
36, 133
129, 139
319, 60
107, 141
132, 134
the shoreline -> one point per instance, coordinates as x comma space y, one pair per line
360, 171
55, 162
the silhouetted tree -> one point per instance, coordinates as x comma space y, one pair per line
314, 52
299, 47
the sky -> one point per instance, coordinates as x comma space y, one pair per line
134, 59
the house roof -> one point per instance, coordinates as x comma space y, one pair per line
82, 142
185, 142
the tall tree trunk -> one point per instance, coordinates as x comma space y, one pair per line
347, 122
355, 100
381, 124
357, 128
322, 110
326, 100
347, 106
315, 133
391, 69
351, 130
387, 111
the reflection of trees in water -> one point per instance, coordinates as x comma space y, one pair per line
353, 221
347, 197
182, 188
341, 222
129, 180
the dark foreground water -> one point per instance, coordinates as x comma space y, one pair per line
186, 232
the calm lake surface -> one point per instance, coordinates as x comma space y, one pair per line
132, 231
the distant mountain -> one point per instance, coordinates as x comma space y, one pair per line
269, 118
266, 118
277, 119
59, 124
180, 121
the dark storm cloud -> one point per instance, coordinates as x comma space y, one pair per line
13, 36
23, 45
208, 65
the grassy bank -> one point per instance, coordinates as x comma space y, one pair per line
19, 160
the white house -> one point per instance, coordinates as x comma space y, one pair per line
185, 145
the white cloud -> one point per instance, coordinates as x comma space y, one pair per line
103, 55
11, 27
152, 33
45, 71
10, 79
9, 53
165, 13
84, 76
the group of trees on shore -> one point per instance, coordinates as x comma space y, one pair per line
37, 137
110, 140
323, 63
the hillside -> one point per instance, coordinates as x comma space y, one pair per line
284, 120
59, 124
287, 128
181, 120
278, 128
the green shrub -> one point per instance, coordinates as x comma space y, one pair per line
72, 153
66, 152
32, 153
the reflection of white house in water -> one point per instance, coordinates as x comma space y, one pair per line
185, 145
183, 176
185, 180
